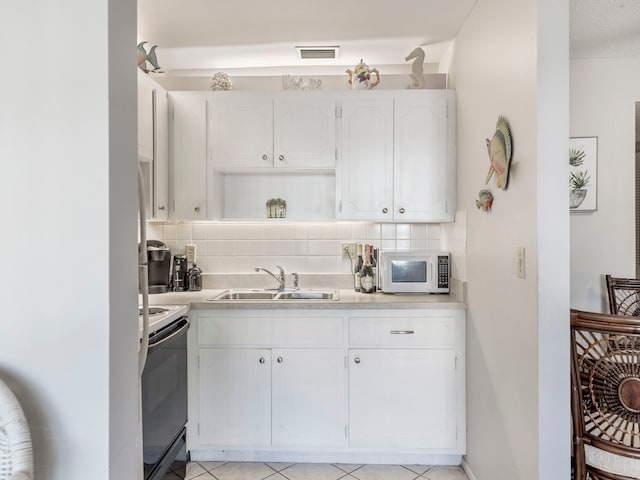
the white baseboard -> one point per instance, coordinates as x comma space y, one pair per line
467, 469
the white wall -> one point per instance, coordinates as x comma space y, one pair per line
603, 96
501, 66
67, 202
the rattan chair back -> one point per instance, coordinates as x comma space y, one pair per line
16, 457
605, 395
624, 295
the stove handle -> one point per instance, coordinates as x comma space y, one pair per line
157, 341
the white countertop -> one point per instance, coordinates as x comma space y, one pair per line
348, 299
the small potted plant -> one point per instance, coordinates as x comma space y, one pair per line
577, 180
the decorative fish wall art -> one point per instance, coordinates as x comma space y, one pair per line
500, 151
144, 57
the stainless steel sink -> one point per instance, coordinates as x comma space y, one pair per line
289, 294
309, 295
246, 295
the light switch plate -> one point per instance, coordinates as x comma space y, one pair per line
190, 250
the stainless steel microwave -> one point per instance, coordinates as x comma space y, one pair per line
414, 272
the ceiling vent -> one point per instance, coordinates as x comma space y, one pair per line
314, 53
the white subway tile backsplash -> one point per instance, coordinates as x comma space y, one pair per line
314, 231
388, 231
199, 231
418, 231
184, 231
403, 231
304, 247
374, 232
403, 245
358, 231
329, 231
171, 231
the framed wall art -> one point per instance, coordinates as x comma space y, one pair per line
583, 174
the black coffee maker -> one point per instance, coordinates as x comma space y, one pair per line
179, 278
159, 266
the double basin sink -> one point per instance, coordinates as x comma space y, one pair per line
287, 294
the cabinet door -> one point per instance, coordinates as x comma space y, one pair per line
145, 116
304, 133
402, 398
365, 171
235, 396
241, 132
160, 200
188, 156
421, 165
309, 397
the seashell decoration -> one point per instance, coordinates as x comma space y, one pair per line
221, 81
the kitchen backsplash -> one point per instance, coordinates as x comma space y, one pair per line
237, 248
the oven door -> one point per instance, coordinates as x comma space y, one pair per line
164, 398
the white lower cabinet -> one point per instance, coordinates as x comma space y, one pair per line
401, 398
235, 396
308, 397
327, 385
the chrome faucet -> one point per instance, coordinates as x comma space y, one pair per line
279, 278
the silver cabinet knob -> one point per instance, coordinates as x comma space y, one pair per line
265, 157
197, 209
385, 210
262, 360
281, 158
160, 207
356, 360
401, 210
280, 360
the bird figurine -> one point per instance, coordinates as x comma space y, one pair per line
144, 57
500, 150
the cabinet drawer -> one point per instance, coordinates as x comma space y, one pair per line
271, 331
419, 332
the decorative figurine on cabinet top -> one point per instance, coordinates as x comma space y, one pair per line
360, 77
485, 200
416, 75
144, 57
221, 81
500, 151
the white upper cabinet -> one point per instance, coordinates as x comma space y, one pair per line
188, 147
241, 132
424, 159
153, 145
397, 157
145, 117
365, 175
304, 133
263, 132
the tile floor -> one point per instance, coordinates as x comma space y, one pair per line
309, 471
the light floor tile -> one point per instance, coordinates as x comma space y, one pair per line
276, 476
347, 467
279, 466
312, 471
445, 473
243, 471
384, 472
210, 466
419, 469
193, 470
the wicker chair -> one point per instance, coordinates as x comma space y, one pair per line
16, 458
605, 395
624, 295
